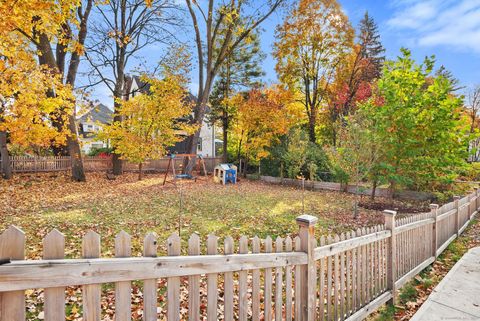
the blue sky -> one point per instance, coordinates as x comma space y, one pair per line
448, 29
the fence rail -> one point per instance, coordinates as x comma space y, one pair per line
339, 277
25, 164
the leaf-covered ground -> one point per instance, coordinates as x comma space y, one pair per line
39, 203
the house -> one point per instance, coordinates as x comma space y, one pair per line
90, 123
207, 143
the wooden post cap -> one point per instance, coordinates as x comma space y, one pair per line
306, 220
390, 213
433, 206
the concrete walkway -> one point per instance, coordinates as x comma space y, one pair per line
457, 297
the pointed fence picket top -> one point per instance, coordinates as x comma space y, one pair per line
91, 293
150, 285
123, 290
256, 282
297, 286
212, 281
268, 284
278, 282
54, 248
228, 282
288, 282
194, 281
173, 283
12, 247
242, 282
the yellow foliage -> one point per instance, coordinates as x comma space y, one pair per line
152, 123
32, 97
263, 115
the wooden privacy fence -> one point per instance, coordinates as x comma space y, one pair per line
344, 277
25, 164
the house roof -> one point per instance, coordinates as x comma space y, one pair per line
99, 113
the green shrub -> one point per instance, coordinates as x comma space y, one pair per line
94, 151
294, 155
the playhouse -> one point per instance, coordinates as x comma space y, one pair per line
225, 173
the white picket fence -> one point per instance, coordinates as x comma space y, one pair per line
344, 277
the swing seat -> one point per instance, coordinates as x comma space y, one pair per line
184, 176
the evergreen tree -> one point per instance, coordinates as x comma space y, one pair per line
371, 47
241, 69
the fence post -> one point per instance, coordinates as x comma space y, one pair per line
391, 253
457, 214
434, 211
308, 282
476, 201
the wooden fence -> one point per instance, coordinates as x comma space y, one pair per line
25, 164
344, 277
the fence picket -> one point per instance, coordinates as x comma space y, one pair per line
288, 282
228, 279
256, 283
268, 284
91, 293
278, 282
123, 301
150, 285
342, 281
194, 281
54, 248
12, 246
173, 283
321, 283
212, 281
243, 283
297, 290
329, 283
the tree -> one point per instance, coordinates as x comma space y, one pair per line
36, 105
263, 116
124, 28
371, 48
150, 123
420, 123
242, 69
68, 40
225, 26
473, 107
312, 42
359, 151
356, 74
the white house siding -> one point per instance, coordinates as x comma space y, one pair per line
206, 146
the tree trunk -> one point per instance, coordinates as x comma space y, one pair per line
117, 163
6, 169
312, 120
78, 172
225, 136
374, 188
140, 171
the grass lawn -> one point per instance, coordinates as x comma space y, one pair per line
39, 203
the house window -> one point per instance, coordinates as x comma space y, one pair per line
199, 144
89, 127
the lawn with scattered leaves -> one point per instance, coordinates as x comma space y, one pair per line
39, 203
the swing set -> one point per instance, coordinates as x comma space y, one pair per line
193, 161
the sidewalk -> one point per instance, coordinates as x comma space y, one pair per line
457, 297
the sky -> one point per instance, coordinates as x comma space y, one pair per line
448, 29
